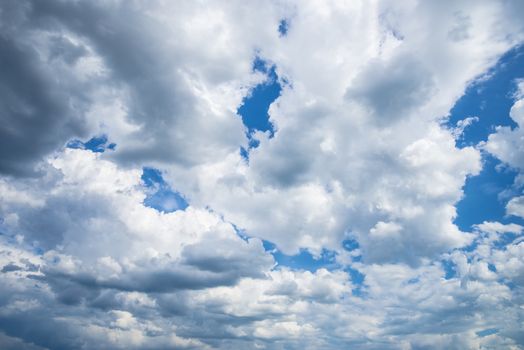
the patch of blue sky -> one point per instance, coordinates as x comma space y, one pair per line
254, 108
241, 233
357, 279
486, 332
484, 198
350, 244
507, 238
244, 153
160, 195
449, 268
490, 100
283, 27
492, 267
97, 144
303, 260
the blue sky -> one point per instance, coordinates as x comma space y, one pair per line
490, 100
238, 175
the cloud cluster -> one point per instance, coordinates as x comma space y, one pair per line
186, 279
358, 153
373, 162
152, 79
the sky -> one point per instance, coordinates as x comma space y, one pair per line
261, 175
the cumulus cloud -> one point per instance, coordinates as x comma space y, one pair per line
506, 143
373, 138
516, 206
93, 203
159, 100
359, 152
105, 242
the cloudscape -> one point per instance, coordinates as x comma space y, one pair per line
276, 174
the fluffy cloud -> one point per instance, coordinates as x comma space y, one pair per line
402, 307
506, 143
160, 100
359, 153
373, 138
139, 278
516, 206
91, 204
97, 239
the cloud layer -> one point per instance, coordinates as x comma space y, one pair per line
360, 166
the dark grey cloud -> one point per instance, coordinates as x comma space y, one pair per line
158, 98
12, 343
37, 112
10, 268
71, 288
126, 41
44, 99
208, 264
64, 49
54, 328
45, 226
219, 255
41, 329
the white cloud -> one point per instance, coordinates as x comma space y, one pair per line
505, 143
498, 228
358, 152
516, 206
340, 162
95, 204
